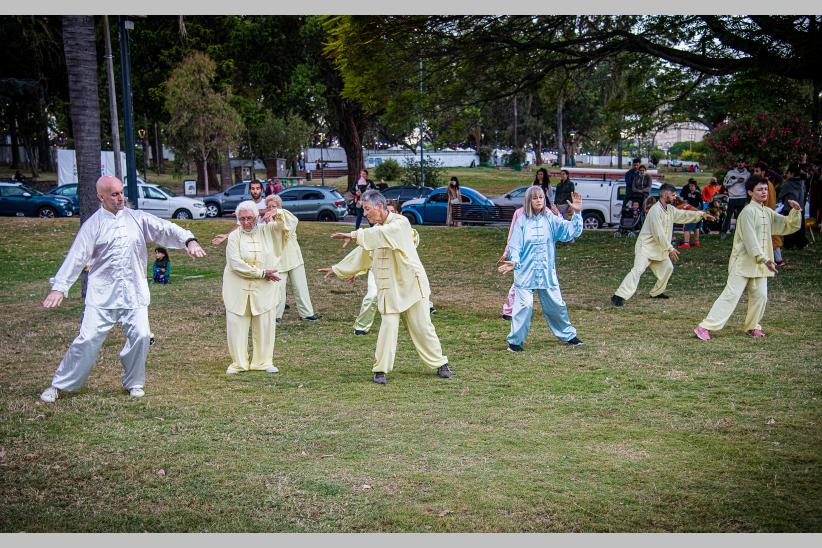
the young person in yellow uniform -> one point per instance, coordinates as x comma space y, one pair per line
751, 262
389, 249
653, 245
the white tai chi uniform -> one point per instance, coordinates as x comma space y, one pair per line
114, 248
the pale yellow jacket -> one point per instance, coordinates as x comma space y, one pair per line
752, 241
247, 257
390, 251
288, 249
654, 240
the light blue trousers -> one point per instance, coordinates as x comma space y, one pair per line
553, 308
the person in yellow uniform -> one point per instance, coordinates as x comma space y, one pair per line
251, 287
653, 245
292, 267
751, 262
389, 249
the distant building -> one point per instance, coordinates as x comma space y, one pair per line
682, 131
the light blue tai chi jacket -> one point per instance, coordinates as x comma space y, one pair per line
532, 246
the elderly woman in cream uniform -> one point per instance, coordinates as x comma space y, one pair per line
251, 287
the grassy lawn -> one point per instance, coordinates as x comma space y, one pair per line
643, 428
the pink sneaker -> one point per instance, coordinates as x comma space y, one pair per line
702, 333
756, 333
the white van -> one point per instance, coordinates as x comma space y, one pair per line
602, 201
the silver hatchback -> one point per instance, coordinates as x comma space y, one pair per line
314, 203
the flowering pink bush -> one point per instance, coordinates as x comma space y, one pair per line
775, 138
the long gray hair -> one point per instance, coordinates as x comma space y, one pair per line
526, 206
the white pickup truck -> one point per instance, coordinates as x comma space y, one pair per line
602, 201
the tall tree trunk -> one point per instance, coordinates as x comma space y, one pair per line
212, 174
202, 175
81, 64
158, 149
516, 143
538, 152
225, 171
560, 140
350, 121
15, 145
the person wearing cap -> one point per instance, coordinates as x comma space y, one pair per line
389, 249
653, 246
751, 262
112, 243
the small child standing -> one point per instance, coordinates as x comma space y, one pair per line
161, 269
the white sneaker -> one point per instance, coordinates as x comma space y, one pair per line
136, 392
49, 395
230, 371
272, 369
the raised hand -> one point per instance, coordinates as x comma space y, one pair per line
345, 236
576, 202
219, 238
794, 205
706, 215
554, 210
195, 251
505, 267
53, 299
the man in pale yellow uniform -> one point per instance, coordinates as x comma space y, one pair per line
389, 249
751, 262
653, 245
250, 287
292, 268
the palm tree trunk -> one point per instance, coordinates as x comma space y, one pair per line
81, 64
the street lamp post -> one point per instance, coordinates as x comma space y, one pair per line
322, 162
128, 113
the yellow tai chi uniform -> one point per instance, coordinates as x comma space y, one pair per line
292, 270
390, 251
251, 299
653, 248
755, 227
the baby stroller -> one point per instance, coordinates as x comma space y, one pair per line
719, 209
631, 218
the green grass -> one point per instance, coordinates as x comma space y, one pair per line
641, 429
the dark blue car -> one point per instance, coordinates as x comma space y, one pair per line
19, 200
433, 209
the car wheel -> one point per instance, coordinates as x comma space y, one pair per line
411, 218
46, 213
212, 210
326, 217
592, 220
182, 214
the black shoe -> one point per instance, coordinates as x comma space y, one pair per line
514, 348
360, 332
432, 310
379, 378
661, 296
151, 340
616, 300
444, 372
287, 307
506, 317
278, 321
312, 318
574, 342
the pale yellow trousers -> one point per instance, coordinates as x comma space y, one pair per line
661, 269
418, 321
725, 305
295, 278
263, 333
368, 309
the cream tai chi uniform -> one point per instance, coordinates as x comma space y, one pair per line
251, 299
114, 248
653, 248
368, 308
292, 270
752, 248
390, 251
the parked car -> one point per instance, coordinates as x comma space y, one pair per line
433, 208
602, 201
314, 203
221, 203
403, 193
155, 199
21, 201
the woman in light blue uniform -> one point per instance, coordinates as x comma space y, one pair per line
531, 252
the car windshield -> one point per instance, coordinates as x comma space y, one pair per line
167, 191
30, 190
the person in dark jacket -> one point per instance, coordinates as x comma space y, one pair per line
630, 175
793, 189
693, 197
563, 193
